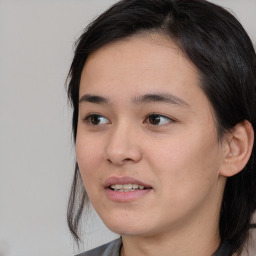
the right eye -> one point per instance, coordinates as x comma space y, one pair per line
95, 119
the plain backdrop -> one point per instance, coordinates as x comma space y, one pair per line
36, 150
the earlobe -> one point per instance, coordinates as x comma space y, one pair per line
240, 144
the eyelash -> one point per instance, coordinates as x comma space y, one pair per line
88, 119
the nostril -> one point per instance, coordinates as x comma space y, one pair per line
121, 162
127, 159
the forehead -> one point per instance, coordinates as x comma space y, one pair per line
142, 52
141, 64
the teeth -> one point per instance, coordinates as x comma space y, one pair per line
126, 187
118, 186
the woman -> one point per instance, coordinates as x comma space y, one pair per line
163, 95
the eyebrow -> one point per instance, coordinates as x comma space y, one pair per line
160, 97
93, 99
142, 99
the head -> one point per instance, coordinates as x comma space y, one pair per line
218, 56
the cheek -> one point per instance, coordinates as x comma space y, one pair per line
89, 155
186, 164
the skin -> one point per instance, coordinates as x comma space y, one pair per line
178, 153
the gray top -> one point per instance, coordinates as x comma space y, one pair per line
109, 249
113, 249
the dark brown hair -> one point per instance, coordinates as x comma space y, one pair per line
219, 47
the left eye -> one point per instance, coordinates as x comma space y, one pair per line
156, 119
95, 119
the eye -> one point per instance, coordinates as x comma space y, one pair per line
95, 119
156, 119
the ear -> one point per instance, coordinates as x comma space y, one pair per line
238, 149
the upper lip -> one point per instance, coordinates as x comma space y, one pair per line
124, 180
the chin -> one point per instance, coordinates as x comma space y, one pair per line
123, 226
129, 232
129, 228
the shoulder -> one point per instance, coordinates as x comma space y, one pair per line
109, 249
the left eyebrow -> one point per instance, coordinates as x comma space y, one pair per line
93, 99
160, 97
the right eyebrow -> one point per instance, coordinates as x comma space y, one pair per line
160, 97
93, 99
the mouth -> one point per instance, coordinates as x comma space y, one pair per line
125, 189
125, 183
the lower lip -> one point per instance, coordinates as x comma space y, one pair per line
125, 196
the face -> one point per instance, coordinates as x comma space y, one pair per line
146, 145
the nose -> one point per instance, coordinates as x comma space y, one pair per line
123, 146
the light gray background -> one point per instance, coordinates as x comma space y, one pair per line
36, 152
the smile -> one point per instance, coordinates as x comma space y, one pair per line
126, 187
